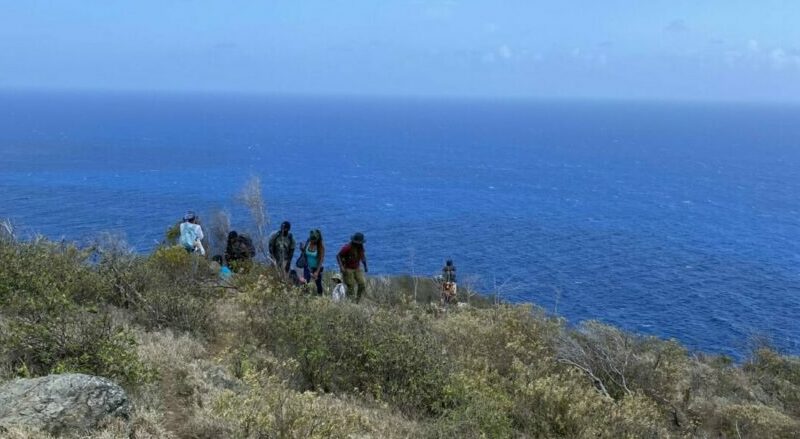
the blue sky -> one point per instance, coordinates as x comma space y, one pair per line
678, 49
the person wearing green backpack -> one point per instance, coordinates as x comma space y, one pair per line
281, 247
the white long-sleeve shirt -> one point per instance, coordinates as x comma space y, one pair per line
339, 292
198, 233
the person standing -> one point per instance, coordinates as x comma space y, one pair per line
350, 259
192, 234
314, 250
449, 286
281, 247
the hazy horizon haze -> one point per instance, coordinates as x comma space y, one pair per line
682, 50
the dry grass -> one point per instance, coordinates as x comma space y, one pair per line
270, 361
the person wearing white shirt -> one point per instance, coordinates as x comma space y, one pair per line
192, 234
340, 290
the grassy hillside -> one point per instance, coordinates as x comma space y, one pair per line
255, 358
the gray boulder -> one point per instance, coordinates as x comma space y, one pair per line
61, 403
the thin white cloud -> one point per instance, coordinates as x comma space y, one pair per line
781, 59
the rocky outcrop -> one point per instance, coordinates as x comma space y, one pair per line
61, 403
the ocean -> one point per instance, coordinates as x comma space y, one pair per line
680, 220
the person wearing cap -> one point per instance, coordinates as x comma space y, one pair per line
350, 258
339, 291
192, 234
281, 247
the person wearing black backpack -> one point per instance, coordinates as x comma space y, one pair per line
239, 249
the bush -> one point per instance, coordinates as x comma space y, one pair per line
348, 348
270, 409
169, 289
779, 376
46, 274
53, 320
476, 406
495, 338
756, 421
620, 363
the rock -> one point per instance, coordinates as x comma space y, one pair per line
61, 403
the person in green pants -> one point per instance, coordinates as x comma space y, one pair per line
350, 258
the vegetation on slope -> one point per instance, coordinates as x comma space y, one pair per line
259, 359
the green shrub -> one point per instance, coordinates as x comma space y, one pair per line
497, 337
620, 363
348, 348
72, 341
779, 376
169, 289
563, 405
53, 320
270, 409
45, 273
757, 421
557, 405
476, 406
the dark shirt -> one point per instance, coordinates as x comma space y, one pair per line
449, 273
240, 248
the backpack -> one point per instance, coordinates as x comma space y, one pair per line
248, 245
188, 236
242, 248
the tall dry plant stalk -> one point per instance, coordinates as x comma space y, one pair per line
252, 198
7, 231
414, 278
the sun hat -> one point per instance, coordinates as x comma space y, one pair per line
358, 238
336, 276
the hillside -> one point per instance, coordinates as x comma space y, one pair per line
256, 358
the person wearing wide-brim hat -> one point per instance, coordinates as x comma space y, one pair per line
339, 291
350, 258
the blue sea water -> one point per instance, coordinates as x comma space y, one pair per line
678, 220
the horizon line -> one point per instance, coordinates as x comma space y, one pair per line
397, 96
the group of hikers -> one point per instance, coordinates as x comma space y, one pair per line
350, 258
350, 281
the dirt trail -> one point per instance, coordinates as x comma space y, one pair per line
177, 395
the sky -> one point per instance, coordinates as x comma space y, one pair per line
621, 49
